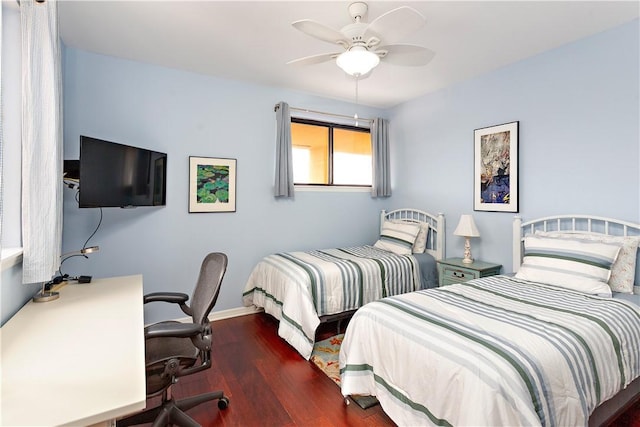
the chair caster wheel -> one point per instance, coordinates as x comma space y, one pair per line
223, 403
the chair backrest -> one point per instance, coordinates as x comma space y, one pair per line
206, 292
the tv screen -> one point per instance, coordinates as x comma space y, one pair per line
118, 175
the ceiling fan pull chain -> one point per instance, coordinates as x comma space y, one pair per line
355, 116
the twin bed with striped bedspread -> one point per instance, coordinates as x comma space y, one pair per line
492, 351
304, 288
299, 287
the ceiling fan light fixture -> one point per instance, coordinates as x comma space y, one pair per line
357, 61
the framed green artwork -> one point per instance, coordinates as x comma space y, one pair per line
212, 184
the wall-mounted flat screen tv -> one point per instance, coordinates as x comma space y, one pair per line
118, 175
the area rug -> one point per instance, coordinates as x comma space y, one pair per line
325, 356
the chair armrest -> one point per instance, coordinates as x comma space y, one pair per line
173, 329
173, 297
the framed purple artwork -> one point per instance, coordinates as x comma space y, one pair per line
496, 168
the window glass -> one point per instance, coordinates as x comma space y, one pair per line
351, 157
11, 126
330, 154
310, 153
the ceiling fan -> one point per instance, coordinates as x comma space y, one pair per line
366, 44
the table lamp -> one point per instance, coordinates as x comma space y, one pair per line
45, 294
467, 229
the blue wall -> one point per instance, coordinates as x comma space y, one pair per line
579, 139
14, 293
579, 152
186, 114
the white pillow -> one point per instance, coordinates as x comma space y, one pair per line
423, 235
398, 237
623, 270
578, 264
421, 239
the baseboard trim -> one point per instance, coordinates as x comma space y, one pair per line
234, 312
226, 314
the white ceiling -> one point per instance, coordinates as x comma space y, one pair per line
253, 40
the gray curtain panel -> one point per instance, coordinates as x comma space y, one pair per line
284, 157
381, 169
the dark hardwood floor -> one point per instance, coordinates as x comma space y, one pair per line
270, 384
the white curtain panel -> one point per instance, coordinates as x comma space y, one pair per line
41, 140
1, 133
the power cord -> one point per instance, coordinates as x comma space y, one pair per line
61, 276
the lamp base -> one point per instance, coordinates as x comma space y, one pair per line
45, 296
467, 252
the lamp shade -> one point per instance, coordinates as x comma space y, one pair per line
357, 61
466, 227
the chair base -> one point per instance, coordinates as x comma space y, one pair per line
171, 411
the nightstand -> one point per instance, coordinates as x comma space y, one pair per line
453, 270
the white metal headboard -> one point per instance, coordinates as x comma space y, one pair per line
569, 224
435, 242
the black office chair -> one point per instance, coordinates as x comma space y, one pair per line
175, 349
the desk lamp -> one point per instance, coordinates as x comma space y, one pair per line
467, 229
47, 295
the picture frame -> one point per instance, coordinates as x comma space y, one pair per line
212, 184
496, 178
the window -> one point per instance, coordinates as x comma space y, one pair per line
330, 154
11, 73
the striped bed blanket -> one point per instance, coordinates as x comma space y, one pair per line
298, 287
492, 351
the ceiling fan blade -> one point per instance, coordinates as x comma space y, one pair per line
392, 26
313, 59
405, 54
321, 32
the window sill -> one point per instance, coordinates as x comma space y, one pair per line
10, 257
331, 188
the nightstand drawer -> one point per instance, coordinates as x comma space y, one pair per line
457, 275
454, 270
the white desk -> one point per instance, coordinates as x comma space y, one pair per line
77, 360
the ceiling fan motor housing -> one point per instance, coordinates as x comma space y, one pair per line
355, 33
